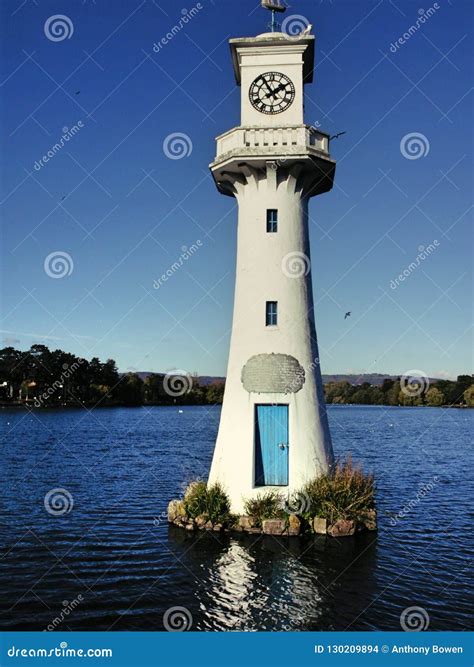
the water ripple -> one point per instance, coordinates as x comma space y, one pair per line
115, 549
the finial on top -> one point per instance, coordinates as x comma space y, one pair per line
274, 6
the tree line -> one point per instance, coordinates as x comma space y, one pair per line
397, 392
41, 377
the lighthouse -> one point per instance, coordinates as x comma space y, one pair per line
273, 432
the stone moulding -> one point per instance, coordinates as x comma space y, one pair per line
290, 526
273, 374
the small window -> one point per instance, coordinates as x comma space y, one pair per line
271, 314
272, 220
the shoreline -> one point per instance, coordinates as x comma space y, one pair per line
32, 408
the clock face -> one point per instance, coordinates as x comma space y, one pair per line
272, 92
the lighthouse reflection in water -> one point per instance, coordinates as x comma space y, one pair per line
256, 583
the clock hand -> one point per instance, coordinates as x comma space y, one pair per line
268, 87
281, 86
276, 90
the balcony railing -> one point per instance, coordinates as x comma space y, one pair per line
271, 141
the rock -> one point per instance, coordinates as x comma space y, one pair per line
217, 527
294, 525
320, 525
176, 510
189, 526
246, 523
342, 528
201, 521
274, 526
208, 525
370, 521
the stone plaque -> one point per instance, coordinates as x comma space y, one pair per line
272, 374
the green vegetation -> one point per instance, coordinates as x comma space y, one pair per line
195, 499
42, 377
469, 396
346, 492
265, 505
211, 502
440, 392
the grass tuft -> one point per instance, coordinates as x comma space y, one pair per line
266, 505
209, 501
346, 492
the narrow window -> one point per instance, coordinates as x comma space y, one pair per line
272, 220
271, 313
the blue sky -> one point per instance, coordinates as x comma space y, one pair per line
123, 211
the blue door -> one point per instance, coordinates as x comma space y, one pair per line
271, 445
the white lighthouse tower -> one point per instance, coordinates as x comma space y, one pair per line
273, 431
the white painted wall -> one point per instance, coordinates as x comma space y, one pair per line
260, 278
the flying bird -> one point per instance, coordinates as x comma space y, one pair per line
348, 314
335, 136
77, 92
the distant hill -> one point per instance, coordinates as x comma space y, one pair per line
203, 380
375, 379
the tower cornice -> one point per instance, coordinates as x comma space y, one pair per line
254, 148
306, 174
275, 43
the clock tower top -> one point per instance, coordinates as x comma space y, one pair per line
271, 70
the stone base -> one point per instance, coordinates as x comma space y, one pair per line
289, 526
342, 528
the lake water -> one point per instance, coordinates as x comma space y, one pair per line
113, 562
